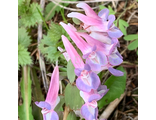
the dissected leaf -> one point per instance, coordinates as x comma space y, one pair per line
116, 86
25, 110
122, 25
23, 56
70, 71
49, 43
72, 116
72, 97
133, 45
131, 37
37, 95
23, 38
20, 2
31, 16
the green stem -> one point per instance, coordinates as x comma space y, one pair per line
62, 14
42, 18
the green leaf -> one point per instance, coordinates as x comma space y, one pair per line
101, 7
76, 21
37, 95
133, 45
70, 71
72, 97
116, 86
60, 104
23, 38
20, 2
50, 10
23, 56
111, 11
131, 37
122, 25
72, 116
31, 16
49, 43
25, 110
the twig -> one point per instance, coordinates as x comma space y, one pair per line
111, 107
41, 59
132, 14
73, 9
66, 112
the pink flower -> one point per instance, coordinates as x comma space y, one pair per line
52, 98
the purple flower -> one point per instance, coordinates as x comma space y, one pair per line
94, 95
94, 57
87, 79
52, 98
103, 22
89, 110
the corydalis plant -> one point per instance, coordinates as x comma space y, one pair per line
99, 53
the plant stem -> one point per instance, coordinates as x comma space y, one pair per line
66, 112
125, 11
62, 14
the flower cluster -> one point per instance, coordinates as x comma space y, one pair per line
99, 48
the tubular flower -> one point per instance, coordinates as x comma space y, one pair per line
94, 57
89, 110
87, 79
103, 22
52, 98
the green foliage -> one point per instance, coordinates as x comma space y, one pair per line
49, 43
20, 2
37, 95
70, 71
50, 10
23, 43
116, 86
25, 110
23, 56
60, 104
131, 37
72, 116
76, 21
30, 15
133, 45
111, 11
23, 38
72, 97
122, 25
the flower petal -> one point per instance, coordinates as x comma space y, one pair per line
75, 57
54, 88
115, 72
88, 10
89, 112
52, 115
111, 19
81, 44
104, 14
85, 19
103, 37
65, 54
82, 86
78, 71
114, 59
87, 67
102, 90
114, 32
43, 104
87, 84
